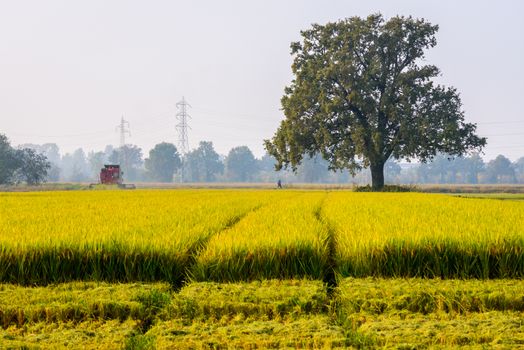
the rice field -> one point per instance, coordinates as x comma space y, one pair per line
277, 314
110, 235
235, 235
417, 235
284, 239
251, 269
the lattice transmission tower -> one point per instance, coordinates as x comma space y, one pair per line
182, 126
124, 129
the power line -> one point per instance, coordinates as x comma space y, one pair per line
502, 122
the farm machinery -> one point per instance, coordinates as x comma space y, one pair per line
111, 174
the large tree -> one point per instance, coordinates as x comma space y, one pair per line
33, 167
202, 164
241, 164
361, 94
163, 161
8, 161
21, 165
500, 170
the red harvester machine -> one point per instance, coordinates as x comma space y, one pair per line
111, 174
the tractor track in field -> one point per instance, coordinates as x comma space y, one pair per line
201, 245
330, 278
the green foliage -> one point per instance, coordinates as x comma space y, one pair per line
21, 165
500, 170
202, 164
163, 161
8, 161
360, 96
240, 164
130, 159
33, 167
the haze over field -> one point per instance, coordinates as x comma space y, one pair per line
69, 71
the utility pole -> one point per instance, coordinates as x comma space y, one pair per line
181, 128
124, 129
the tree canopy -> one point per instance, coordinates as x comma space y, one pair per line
361, 94
500, 169
21, 165
130, 159
163, 161
241, 164
202, 164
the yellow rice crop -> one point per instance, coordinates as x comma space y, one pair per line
111, 235
409, 234
284, 239
220, 235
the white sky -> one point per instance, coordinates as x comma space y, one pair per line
70, 69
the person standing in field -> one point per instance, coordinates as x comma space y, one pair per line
279, 184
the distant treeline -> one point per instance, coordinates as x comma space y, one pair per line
165, 164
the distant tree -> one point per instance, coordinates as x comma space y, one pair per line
108, 151
54, 173
266, 170
391, 170
472, 167
422, 172
266, 163
313, 169
75, 167
52, 153
130, 159
361, 95
519, 169
96, 162
21, 165
500, 170
439, 167
240, 164
8, 161
163, 161
202, 164
49, 150
33, 167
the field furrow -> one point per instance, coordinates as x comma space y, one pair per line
282, 240
111, 235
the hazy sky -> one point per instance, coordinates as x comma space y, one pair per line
70, 69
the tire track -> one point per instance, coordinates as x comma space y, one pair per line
330, 278
201, 245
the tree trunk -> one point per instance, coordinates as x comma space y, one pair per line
377, 176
